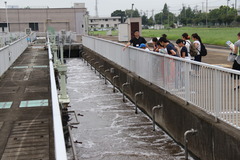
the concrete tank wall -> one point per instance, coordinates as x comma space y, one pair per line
214, 140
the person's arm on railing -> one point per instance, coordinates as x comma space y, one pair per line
127, 45
173, 52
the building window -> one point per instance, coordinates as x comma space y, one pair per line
114, 19
91, 20
106, 19
115, 25
107, 25
102, 25
33, 26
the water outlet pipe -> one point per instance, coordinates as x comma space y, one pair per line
136, 100
102, 66
114, 78
90, 63
105, 75
123, 86
192, 132
153, 114
95, 70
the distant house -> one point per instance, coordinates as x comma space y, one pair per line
70, 19
104, 22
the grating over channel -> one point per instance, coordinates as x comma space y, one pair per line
28, 140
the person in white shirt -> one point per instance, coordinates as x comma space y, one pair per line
186, 38
197, 43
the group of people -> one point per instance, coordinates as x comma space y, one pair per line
183, 49
163, 45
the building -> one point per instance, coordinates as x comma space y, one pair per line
104, 22
70, 19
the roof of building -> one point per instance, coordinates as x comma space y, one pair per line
104, 17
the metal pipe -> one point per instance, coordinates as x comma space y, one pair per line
192, 131
105, 76
124, 85
136, 95
90, 62
115, 77
102, 66
75, 157
95, 67
153, 114
87, 57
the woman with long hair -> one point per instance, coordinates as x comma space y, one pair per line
187, 38
197, 43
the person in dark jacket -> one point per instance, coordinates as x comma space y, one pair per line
136, 41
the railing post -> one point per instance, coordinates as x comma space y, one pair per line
217, 94
187, 82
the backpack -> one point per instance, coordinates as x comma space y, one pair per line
193, 50
203, 51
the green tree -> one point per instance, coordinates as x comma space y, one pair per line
165, 17
222, 15
150, 21
134, 13
118, 13
144, 20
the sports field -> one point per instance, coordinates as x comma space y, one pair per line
215, 36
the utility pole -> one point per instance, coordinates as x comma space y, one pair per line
235, 4
168, 20
206, 13
227, 6
153, 16
6, 16
161, 19
202, 7
96, 8
132, 11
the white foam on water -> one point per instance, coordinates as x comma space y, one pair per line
111, 128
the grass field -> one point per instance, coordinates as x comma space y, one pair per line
215, 36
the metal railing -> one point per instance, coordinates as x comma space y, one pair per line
7, 38
59, 141
10, 52
209, 87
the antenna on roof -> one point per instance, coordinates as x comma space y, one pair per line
96, 8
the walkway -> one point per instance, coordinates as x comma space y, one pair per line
25, 109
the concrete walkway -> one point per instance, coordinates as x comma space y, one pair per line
26, 115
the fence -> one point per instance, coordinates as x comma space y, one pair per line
11, 52
7, 38
208, 87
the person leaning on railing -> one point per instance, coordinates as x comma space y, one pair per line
171, 50
136, 41
236, 63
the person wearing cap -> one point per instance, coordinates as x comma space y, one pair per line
144, 46
136, 41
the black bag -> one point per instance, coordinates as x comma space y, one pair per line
203, 51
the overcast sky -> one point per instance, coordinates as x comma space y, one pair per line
106, 7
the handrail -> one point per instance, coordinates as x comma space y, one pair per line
212, 88
59, 142
168, 56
